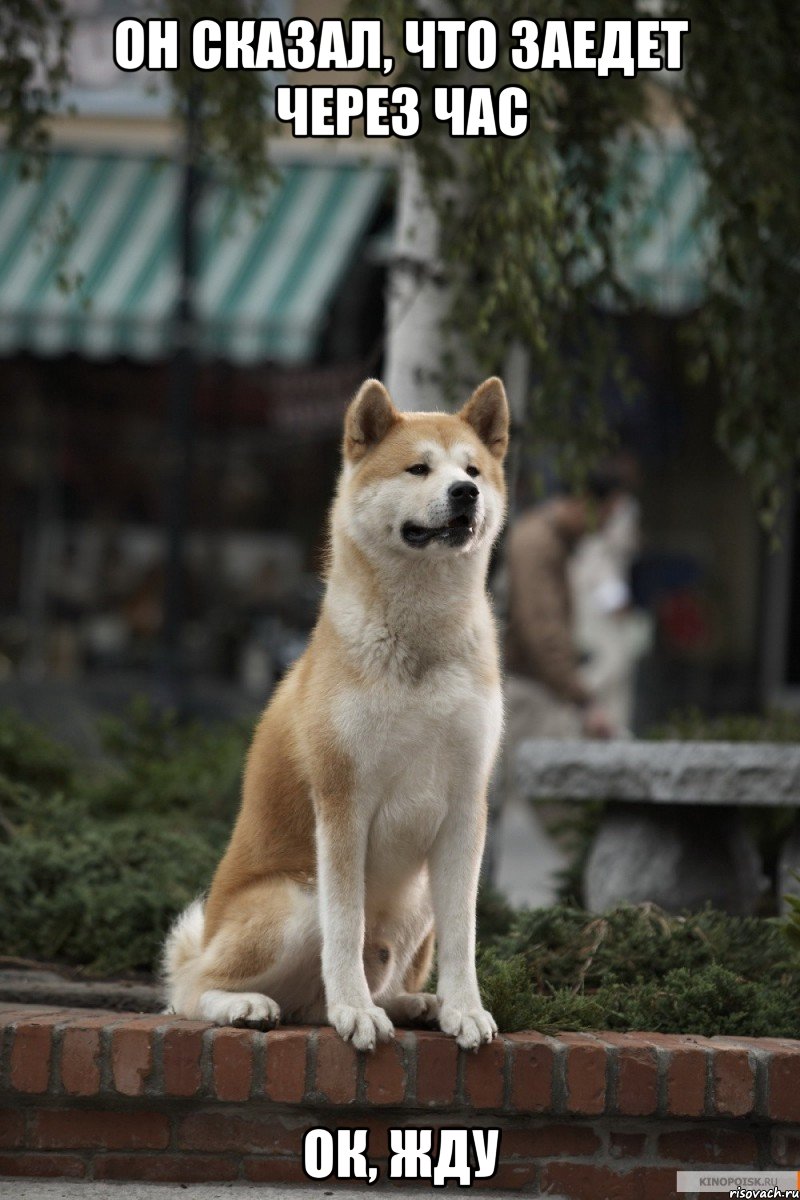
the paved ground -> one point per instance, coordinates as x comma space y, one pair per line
24, 1189
526, 857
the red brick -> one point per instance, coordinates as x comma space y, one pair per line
80, 1018
687, 1071
10, 1014
734, 1083
585, 1074
385, 1073
637, 1074
80, 1061
42, 1166
274, 1170
581, 1181
784, 1085
626, 1145
674, 1041
437, 1061
73, 1129
337, 1065
232, 1063
12, 1128
550, 1141
484, 1072
286, 1065
132, 1058
377, 1130
182, 1048
584, 1182
532, 1059
166, 1168
751, 1043
709, 1147
217, 1132
512, 1177
31, 1054
658, 1183
785, 1148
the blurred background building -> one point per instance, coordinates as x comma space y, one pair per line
288, 316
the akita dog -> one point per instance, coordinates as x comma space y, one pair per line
363, 814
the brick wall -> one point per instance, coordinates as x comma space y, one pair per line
104, 1095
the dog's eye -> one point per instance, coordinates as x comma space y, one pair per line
472, 471
419, 469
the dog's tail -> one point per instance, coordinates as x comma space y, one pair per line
180, 959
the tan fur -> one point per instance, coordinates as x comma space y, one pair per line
417, 974
260, 929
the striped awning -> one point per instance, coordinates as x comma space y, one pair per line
663, 244
89, 257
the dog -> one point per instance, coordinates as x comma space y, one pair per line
363, 812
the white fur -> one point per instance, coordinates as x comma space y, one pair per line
184, 943
239, 1008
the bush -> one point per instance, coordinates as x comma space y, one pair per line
30, 756
95, 863
691, 725
637, 968
100, 895
161, 766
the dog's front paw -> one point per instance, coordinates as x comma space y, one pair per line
361, 1026
468, 1025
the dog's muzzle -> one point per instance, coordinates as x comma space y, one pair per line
462, 498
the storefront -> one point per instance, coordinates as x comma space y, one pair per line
289, 313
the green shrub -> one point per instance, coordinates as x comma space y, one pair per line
100, 894
710, 1002
567, 947
95, 863
30, 756
692, 725
637, 968
160, 765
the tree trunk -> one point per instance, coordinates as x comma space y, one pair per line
418, 298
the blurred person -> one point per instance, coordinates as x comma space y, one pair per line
611, 634
547, 695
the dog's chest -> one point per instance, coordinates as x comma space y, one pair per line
393, 731
415, 751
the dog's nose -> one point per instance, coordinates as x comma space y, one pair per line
462, 494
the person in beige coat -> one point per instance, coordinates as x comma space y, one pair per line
612, 633
545, 689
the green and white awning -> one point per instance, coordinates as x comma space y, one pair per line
88, 257
89, 252
663, 245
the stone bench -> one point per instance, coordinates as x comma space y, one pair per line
672, 831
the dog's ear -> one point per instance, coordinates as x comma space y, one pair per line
487, 412
369, 418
